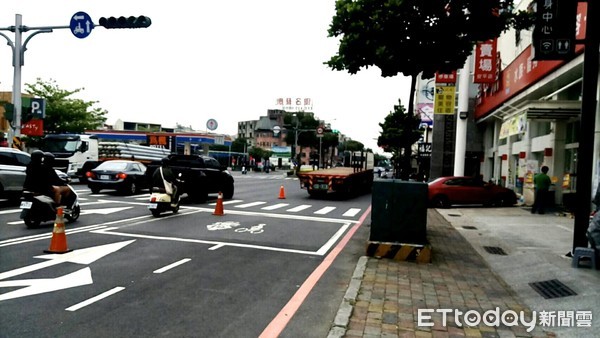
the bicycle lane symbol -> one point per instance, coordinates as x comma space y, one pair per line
255, 229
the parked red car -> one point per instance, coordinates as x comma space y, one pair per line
451, 190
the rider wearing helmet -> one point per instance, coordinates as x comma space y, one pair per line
162, 174
58, 187
34, 175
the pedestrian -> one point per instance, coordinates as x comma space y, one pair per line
541, 182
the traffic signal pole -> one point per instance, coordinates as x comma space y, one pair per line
18, 50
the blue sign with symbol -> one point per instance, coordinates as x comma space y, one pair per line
81, 25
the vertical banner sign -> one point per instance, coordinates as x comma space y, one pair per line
444, 99
485, 62
554, 32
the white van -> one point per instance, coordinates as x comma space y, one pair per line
13, 163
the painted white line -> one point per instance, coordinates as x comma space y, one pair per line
325, 210
325, 248
139, 196
10, 211
248, 205
95, 299
227, 202
218, 246
299, 208
97, 202
171, 266
199, 241
351, 212
15, 222
275, 206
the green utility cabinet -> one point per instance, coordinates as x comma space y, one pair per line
399, 211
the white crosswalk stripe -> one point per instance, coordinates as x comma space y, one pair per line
351, 212
299, 208
227, 202
325, 210
275, 206
248, 205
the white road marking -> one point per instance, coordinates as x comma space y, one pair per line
227, 202
10, 211
95, 299
299, 208
171, 266
324, 211
351, 212
248, 205
275, 206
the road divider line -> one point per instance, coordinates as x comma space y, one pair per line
95, 299
173, 265
10, 211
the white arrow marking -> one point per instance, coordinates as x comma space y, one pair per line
78, 17
37, 286
88, 26
104, 211
81, 256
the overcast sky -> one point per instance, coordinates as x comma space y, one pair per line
200, 60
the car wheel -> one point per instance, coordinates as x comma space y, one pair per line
132, 189
440, 202
155, 212
228, 192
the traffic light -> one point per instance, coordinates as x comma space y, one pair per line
123, 22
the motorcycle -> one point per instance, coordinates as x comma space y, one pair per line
161, 201
37, 208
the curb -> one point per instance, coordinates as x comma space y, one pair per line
342, 318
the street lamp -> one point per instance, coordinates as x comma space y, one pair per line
296, 140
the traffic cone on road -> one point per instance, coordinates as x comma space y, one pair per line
281, 193
58, 243
219, 206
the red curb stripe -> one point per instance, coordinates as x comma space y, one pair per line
280, 321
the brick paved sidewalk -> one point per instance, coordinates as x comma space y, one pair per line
391, 292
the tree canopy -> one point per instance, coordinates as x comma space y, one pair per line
65, 114
400, 131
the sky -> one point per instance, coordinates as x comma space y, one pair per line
200, 60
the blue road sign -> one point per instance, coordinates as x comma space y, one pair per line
81, 25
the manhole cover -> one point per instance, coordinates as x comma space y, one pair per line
469, 227
552, 289
494, 250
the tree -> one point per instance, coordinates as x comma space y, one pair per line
414, 36
239, 145
63, 113
400, 130
351, 145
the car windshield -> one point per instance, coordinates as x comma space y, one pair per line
116, 166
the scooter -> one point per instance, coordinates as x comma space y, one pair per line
160, 201
37, 208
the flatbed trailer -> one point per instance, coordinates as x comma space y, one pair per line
345, 180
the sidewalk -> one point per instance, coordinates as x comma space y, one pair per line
384, 296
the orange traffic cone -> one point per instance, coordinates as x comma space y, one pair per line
219, 206
58, 243
281, 193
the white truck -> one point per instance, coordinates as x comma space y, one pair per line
77, 153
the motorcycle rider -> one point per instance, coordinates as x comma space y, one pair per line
34, 175
162, 174
58, 187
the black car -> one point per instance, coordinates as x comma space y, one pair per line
127, 177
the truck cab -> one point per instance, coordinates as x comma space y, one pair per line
71, 151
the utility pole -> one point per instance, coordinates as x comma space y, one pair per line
461, 122
585, 152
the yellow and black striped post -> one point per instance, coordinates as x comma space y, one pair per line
16, 143
420, 253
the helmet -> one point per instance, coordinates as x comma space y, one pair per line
164, 161
36, 156
48, 158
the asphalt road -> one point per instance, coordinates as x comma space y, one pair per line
268, 266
